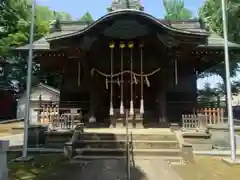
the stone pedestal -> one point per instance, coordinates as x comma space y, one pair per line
202, 122
4, 146
198, 140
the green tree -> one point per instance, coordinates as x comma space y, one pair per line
45, 14
220, 89
207, 93
175, 10
15, 23
87, 17
211, 15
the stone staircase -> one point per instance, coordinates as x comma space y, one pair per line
112, 146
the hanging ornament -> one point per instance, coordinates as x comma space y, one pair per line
135, 79
92, 72
111, 111
147, 81
141, 63
176, 71
118, 82
106, 83
130, 46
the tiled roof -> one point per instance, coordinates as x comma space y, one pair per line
69, 27
216, 41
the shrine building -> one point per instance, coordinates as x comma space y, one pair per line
130, 60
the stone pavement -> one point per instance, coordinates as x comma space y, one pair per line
115, 169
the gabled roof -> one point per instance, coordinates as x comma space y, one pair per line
64, 29
50, 88
135, 13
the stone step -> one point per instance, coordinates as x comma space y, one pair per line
56, 145
171, 159
122, 152
137, 144
105, 136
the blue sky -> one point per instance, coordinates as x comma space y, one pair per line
97, 8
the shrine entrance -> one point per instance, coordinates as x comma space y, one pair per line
126, 87
125, 81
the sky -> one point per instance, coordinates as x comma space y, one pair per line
97, 8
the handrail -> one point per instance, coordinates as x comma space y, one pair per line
131, 149
127, 149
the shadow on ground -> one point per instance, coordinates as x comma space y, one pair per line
56, 166
42, 167
111, 151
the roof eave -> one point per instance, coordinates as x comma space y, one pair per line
128, 11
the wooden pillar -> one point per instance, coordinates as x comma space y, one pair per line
162, 98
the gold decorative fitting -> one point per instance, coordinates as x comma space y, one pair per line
122, 45
112, 45
130, 45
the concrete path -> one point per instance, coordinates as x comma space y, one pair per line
116, 170
154, 170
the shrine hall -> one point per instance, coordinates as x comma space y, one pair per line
129, 61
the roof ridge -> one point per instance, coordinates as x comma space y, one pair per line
49, 87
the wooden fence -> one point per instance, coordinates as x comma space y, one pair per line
213, 115
208, 116
55, 117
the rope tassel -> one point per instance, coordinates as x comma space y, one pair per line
147, 81
135, 79
118, 81
106, 83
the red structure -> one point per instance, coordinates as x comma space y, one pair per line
7, 98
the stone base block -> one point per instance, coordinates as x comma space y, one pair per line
231, 162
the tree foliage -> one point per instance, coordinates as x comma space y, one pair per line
211, 15
87, 17
15, 21
175, 10
208, 93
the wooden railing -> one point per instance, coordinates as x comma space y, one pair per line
203, 117
58, 118
63, 121
213, 115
